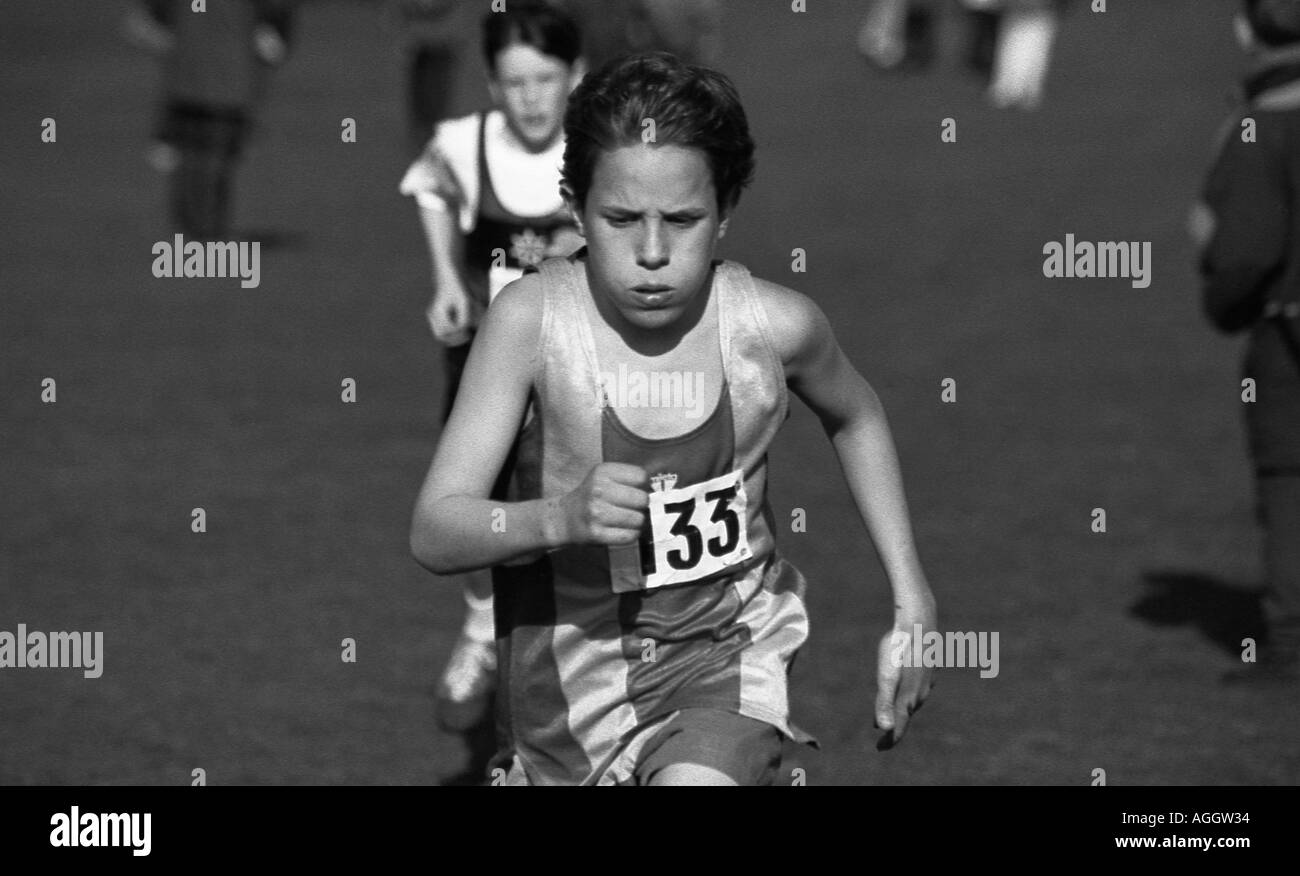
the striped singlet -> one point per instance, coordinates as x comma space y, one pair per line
595, 643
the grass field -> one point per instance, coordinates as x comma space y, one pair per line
222, 649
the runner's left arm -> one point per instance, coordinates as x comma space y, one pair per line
851, 413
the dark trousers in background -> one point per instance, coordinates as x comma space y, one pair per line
209, 140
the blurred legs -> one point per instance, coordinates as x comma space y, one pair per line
1024, 52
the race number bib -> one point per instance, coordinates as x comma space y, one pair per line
695, 532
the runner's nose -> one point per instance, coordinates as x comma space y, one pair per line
652, 250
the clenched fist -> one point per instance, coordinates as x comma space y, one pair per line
608, 507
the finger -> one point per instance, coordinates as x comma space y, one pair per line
624, 497
889, 670
444, 333
623, 473
902, 715
616, 535
913, 689
619, 518
923, 689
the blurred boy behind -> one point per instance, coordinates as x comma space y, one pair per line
214, 77
1250, 267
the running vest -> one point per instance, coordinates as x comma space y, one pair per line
504, 244
596, 642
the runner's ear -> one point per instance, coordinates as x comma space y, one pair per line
576, 72
575, 210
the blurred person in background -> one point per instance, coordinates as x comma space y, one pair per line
1249, 239
215, 64
1022, 53
689, 29
1009, 41
433, 35
898, 34
148, 25
488, 191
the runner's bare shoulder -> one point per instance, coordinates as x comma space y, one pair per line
513, 323
794, 321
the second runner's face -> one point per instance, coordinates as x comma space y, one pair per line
532, 88
652, 225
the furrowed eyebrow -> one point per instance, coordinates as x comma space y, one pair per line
687, 213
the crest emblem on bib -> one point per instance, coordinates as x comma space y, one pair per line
663, 481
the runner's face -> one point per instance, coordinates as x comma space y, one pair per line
531, 88
652, 225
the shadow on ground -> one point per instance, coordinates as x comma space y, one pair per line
1223, 612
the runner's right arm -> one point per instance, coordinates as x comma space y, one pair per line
456, 527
